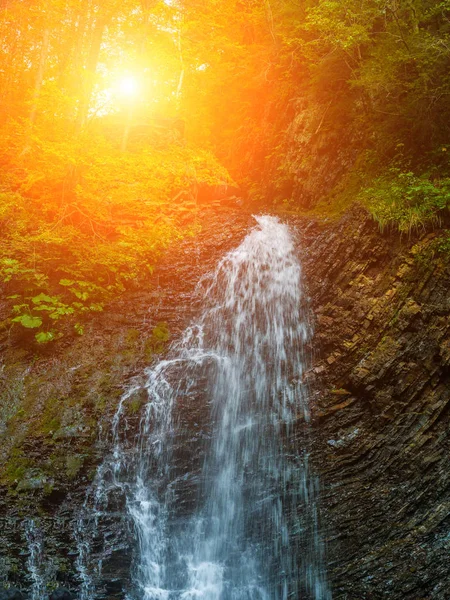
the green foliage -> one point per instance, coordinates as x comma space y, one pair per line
83, 222
43, 337
156, 343
443, 244
16, 467
289, 95
28, 321
74, 464
406, 201
95, 184
346, 79
79, 328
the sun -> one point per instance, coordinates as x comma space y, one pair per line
128, 86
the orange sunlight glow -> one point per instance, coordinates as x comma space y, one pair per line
129, 86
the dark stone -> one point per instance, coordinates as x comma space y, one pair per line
12, 594
383, 457
61, 594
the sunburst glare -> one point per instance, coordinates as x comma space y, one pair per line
129, 86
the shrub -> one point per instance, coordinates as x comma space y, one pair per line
406, 201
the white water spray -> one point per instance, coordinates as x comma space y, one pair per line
36, 559
254, 534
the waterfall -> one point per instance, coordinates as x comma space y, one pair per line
36, 559
253, 533
97, 504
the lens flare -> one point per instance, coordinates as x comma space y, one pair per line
129, 86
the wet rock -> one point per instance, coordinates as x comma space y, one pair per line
70, 431
383, 455
61, 594
32, 479
11, 593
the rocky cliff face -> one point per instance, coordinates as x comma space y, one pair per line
379, 386
381, 392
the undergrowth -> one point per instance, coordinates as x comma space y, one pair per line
406, 201
81, 221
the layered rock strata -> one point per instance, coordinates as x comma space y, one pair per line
381, 391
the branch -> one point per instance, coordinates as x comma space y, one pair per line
270, 20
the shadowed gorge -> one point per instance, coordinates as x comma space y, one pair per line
224, 311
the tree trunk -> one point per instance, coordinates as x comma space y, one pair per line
37, 88
39, 76
89, 74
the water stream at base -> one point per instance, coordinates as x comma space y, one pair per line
254, 533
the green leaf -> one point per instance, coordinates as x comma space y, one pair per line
43, 298
28, 321
43, 337
79, 328
66, 282
47, 307
20, 308
61, 312
96, 307
80, 295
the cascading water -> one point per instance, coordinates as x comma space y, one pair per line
254, 532
36, 559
